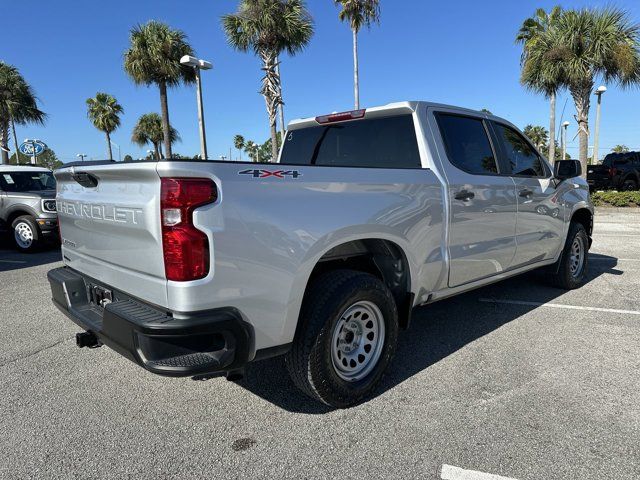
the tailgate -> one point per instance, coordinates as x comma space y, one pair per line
111, 231
597, 173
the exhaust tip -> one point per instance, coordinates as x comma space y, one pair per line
87, 339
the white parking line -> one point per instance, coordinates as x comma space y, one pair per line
456, 473
591, 259
558, 305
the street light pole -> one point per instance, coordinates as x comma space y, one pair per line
601, 89
565, 125
118, 147
198, 65
81, 156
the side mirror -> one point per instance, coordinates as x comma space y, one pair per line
565, 169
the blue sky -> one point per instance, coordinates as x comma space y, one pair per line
459, 52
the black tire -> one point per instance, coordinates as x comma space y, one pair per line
565, 276
309, 361
21, 229
629, 185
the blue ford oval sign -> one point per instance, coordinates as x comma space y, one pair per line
32, 148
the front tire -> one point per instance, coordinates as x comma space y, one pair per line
26, 234
573, 264
346, 338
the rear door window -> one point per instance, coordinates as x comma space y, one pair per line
522, 157
388, 142
467, 144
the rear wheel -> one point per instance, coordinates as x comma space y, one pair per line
26, 234
346, 339
630, 185
573, 264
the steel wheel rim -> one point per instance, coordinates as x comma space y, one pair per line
576, 257
23, 235
357, 341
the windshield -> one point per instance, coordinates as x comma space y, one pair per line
27, 181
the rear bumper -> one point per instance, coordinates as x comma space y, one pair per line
165, 343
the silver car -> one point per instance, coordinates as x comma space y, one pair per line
201, 267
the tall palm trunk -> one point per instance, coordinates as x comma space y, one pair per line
15, 141
283, 126
271, 92
164, 106
109, 145
156, 148
582, 98
552, 129
4, 142
356, 70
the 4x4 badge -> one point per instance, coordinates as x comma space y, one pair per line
260, 173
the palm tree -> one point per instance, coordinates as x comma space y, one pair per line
358, 13
18, 104
537, 134
253, 150
238, 142
620, 149
529, 35
149, 130
584, 46
269, 27
104, 112
154, 58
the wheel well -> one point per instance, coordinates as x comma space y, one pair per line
15, 214
585, 217
381, 258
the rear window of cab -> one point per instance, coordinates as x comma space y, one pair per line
388, 142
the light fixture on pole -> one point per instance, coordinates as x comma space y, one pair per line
118, 147
198, 64
81, 156
601, 89
565, 125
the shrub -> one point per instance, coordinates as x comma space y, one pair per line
616, 199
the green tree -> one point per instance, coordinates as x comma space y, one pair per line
149, 129
538, 135
18, 104
127, 158
358, 13
547, 81
584, 46
252, 149
104, 112
487, 111
153, 58
620, 149
238, 142
47, 159
267, 28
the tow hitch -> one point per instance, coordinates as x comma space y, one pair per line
87, 339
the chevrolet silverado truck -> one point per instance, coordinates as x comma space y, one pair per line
28, 206
201, 267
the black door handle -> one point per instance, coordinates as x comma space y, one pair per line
525, 192
464, 195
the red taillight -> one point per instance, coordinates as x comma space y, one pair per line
185, 248
341, 117
612, 172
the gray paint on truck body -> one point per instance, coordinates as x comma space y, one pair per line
266, 235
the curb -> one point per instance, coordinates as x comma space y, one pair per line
605, 210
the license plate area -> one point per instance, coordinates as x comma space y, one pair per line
99, 296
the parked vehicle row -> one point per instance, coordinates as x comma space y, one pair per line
28, 206
618, 171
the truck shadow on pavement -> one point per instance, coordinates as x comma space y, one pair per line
436, 331
11, 259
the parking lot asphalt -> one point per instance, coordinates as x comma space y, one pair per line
517, 379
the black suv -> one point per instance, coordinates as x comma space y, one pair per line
618, 171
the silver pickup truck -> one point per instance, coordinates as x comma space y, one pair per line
201, 267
